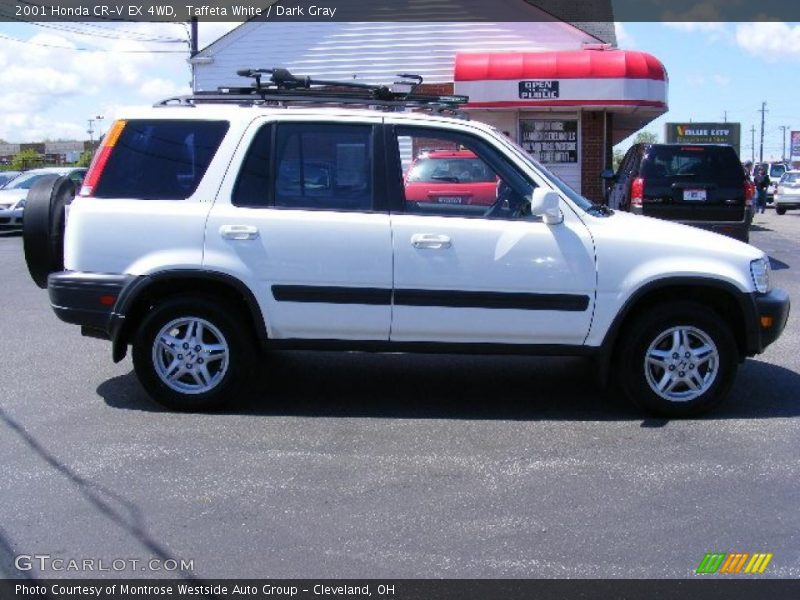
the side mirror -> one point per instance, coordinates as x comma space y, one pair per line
545, 204
608, 175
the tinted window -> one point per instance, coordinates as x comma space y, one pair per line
252, 186
323, 166
698, 162
163, 160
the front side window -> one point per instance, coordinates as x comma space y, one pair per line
448, 173
323, 166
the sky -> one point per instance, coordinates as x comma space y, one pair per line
63, 74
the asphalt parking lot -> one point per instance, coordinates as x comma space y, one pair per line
346, 465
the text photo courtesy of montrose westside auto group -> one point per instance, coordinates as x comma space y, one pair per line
410, 300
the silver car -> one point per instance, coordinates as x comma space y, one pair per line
788, 192
15, 192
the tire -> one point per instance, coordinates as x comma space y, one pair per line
43, 226
662, 386
188, 379
781, 210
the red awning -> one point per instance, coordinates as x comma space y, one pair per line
569, 64
616, 80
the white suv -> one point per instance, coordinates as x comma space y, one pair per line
205, 234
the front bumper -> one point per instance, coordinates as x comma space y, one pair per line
10, 218
86, 299
788, 200
770, 313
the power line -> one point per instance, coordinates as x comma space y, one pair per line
81, 49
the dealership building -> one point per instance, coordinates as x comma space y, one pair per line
561, 89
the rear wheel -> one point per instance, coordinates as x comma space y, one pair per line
193, 354
781, 210
677, 360
43, 226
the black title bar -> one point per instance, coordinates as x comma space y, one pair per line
400, 10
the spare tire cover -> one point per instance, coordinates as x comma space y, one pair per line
43, 226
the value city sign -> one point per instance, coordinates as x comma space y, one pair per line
704, 133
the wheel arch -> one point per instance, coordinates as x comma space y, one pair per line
139, 298
730, 303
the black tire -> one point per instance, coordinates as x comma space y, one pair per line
241, 354
781, 210
635, 373
43, 226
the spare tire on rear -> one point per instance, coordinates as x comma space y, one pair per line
43, 226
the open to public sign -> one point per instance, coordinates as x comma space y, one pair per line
538, 90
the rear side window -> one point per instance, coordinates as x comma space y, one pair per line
323, 166
160, 159
691, 162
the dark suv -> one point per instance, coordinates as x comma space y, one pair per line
698, 184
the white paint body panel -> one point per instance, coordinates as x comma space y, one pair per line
493, 256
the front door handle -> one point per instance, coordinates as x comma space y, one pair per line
238, 232
430, 241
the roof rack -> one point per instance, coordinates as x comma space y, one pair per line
283, 89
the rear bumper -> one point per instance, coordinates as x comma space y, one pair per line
86, 299
768, 319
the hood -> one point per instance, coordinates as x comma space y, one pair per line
12, 196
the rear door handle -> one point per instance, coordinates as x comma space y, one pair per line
430, 241
238, 232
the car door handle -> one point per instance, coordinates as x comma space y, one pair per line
238, 232
430, 241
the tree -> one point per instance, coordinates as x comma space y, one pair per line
646, 137
25, 159
85, 160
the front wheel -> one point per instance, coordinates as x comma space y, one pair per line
192, 354
677, 360
781, 210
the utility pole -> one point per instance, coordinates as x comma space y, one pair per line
724, 116
193, 47
753, 143
90, 131
763, 111
783, 137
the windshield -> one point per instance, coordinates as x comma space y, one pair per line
455, 170
24, 181
562, 186
791, 178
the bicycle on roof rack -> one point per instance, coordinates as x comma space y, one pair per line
284, 88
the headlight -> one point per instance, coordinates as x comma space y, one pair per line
20, 204
760, 269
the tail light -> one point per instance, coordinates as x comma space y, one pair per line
637, 191
101, 158
749, 193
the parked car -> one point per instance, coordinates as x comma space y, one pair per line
788, 192
697, 184
13, 195
6, 176
183, 246
775, 170
453, 177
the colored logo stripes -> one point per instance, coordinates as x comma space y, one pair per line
734, 562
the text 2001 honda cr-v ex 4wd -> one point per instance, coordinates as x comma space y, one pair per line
214, 227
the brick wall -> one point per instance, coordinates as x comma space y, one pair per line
592, 159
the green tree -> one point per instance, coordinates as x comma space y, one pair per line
25, 159
85, 160
646, 137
